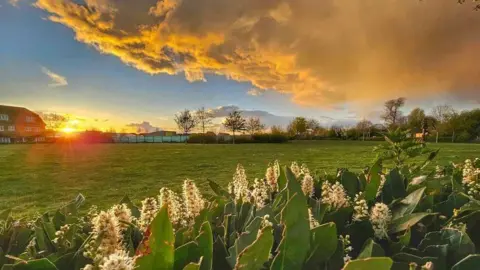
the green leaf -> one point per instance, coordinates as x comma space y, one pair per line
374, 181
186, 254
295, 243
459, 243
43, 264
255, 255
408, 204
339, 217
350, 182
194, 266
218, 189
134, 209
245, 239
407, 221
323, 244
19, 241
470, 262
371, 249
378, 263
394, 186
205, 245
161, 243
219, 255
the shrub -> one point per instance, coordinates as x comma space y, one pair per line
397, 218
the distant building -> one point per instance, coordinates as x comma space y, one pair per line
19, 124
161, 133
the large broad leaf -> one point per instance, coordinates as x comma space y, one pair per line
219, 255
350, 182
373, 181
339, 217
295, 243
19, 241
454, 201
134, 209
459, 243
186, 254
359, 233
43, 264
371, 249
407, 205
407, 258
336, 260
471, 262
205, 244
194, 266
407, 221
394, 186
218, 189
245, 239
255, 255
323, 244
378, 263
161, 242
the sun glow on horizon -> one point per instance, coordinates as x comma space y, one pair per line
68, 130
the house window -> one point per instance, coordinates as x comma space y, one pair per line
30, 119
11, 128
4, 117
2, 128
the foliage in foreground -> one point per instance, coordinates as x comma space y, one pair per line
292, 218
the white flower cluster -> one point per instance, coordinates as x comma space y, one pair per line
194, 202
380, 217
308, 187
174, 207
304, 169
428, 266
471, 178
106, 237
360, 207
272, 178
335, 195
239, 186
383, 179
295, 169
265, 222
118, 261
347, 248
313, 222
148, 212
260, 193
123, 214
60, 237
439, 172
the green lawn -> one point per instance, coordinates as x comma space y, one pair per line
35, 178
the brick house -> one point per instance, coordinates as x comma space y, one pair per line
19, 124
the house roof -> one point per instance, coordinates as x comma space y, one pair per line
15, 112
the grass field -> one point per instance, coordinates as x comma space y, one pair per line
35, 178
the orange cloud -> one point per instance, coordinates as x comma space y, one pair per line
321, 52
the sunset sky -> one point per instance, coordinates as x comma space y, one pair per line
113, 63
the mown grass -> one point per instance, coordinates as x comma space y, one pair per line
36, 178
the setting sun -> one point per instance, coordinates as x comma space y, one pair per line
68, 130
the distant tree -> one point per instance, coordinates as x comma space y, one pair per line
441, 112
364, 127
313, 126
54, 121
454, 123
298, 126
185, 121
276, 130
235, 122
392, 111
203, 118
253, 125
416, 119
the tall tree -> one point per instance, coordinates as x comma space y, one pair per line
276, 130
364, 127
253, 125
54, 121
454, 123
235, 122
185, 121
392, 111
313, 126
441, 112
203, 118
298, 126
416, 119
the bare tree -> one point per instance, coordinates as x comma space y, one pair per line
54, 121
276, 130
253, 125
442, 112
392, 113
203, 118
185, 121
365, 127
235, 122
